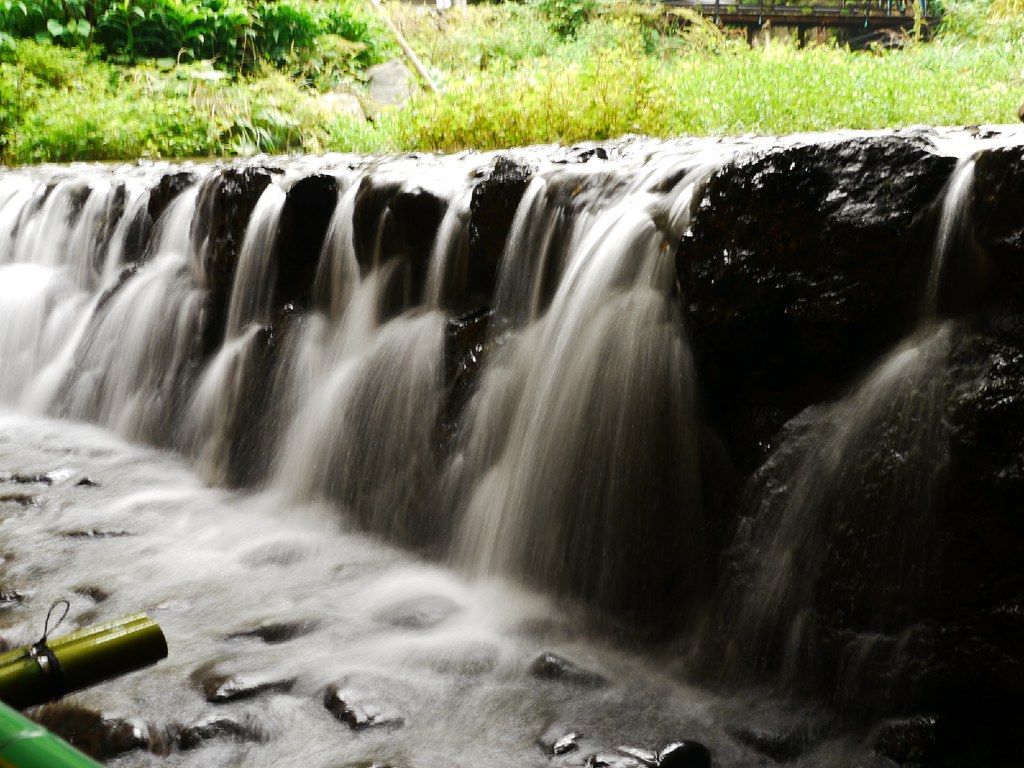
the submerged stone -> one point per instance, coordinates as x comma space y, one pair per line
684, 754
361, 709
779, 745
566, 744
222, 689
550, 666
218, 727
98, 735
276, 631
645, 756
418, 612
611, 760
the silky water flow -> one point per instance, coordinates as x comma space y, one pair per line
419, 572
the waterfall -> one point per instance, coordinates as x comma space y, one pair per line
581, 450
841, 517
719, 394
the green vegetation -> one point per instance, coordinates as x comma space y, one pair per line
84, 80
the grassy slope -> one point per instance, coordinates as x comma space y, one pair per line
508, 80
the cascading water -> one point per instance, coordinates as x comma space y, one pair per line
490, 361
582, 445
842, 514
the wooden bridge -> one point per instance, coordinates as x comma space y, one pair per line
869, 16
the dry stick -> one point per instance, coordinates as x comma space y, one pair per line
417, 64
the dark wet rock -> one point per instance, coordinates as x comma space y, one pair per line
909, 740
973, 664
359, 706
612, 760
684, 754
30, 478
582, 153
549, 666
465, 349
997, 226
397, 222
779, 745
492, 209
559, 740
418, 612
87, 482
803, 265
645, 756
21, 499
169, 187
275, 632
92, 592
308, 207
225, 203
122, 280
218, 727
11, 598
222, 689
97, 533
98, 735
566, 744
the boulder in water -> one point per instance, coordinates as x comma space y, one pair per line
218, 727
222, 689
800, 268
684, 754
645, 756
361, 709
549, 666
275, 631
612, 760
418, 612
99, 735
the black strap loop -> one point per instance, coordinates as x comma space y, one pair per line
44, 655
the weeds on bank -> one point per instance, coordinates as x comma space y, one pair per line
66, 107
511, 77
623, 74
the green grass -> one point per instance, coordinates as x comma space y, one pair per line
509, 77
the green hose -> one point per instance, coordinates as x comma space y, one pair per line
24, 744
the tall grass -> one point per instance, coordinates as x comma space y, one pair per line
616, 78
509, 78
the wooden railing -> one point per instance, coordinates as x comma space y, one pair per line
840, 12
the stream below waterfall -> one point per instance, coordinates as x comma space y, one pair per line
118, 528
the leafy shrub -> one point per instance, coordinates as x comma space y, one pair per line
330, 61
285, 27
567, 17
235, 33
64, 23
